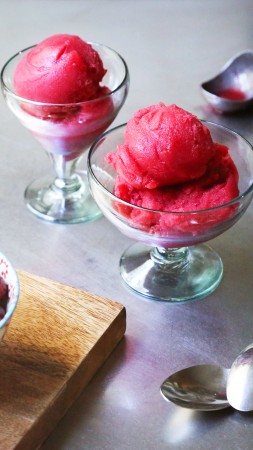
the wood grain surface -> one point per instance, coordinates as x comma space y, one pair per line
57, 339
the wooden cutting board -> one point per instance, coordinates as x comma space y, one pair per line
57, 339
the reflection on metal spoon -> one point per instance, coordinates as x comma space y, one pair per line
201, 387
240, 381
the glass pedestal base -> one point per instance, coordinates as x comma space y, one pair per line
171, 275
53, 201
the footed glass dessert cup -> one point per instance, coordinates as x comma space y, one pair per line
66, 131
170, 260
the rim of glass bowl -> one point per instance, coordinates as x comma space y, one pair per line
93, 44
9, 313
195, 212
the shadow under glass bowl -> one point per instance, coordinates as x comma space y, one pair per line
169, 260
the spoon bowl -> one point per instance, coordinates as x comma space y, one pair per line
240, 381
201, 387
231, 90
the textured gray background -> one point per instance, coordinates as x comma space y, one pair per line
170, 47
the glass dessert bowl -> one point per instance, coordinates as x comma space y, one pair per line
9, 293
170, 260
66, 131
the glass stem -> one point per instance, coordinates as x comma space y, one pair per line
66, 178
169, 258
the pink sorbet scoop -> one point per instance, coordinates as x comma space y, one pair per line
61, 69
164, 146
169, 163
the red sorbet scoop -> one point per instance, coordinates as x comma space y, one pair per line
164, 146
219, 185
169, 163
61, 69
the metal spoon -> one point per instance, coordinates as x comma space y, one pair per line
231, 90
240, 381
201, 387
